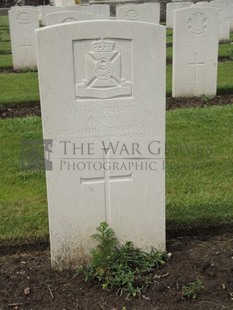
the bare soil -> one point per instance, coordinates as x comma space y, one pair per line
27, 281
174, 103
24, 110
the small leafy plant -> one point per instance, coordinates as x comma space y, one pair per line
124, 268
191, 290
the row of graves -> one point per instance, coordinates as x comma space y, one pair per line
102, 92
197, 30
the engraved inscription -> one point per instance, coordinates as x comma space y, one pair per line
106, 179
197, 23
132, 15
103, 69
24, 18
118, 132
196, 64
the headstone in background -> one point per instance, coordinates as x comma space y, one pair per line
23, 23
171, 7
67, 17
62, 3
20, 7
230, 4
47, 9
101, 11
224, 18
145, 12
103, 82
195, 52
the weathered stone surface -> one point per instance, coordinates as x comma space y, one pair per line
171, 7
103, 82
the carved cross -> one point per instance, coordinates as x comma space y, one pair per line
27, 46
196, 64
106, 179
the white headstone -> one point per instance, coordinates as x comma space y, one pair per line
67, 17
20, 7
146, 12
103, 82
77, 7
230, 3
62, 3
170, 8
224, 18
47, 9
195, 52
23, 23
101, 11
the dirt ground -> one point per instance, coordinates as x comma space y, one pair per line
27, 281
26, 110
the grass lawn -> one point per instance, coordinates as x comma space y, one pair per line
6, 61
23, 210
199, 158
18, 87
199, 174
5, 46
226, 50
199, 167
225, 77
4, 34
4, 22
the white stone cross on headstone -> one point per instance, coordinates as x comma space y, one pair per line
27, 46
106, 179
196, 64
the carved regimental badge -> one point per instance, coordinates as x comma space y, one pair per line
197, 23
24, 18
131, 15
103, 73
